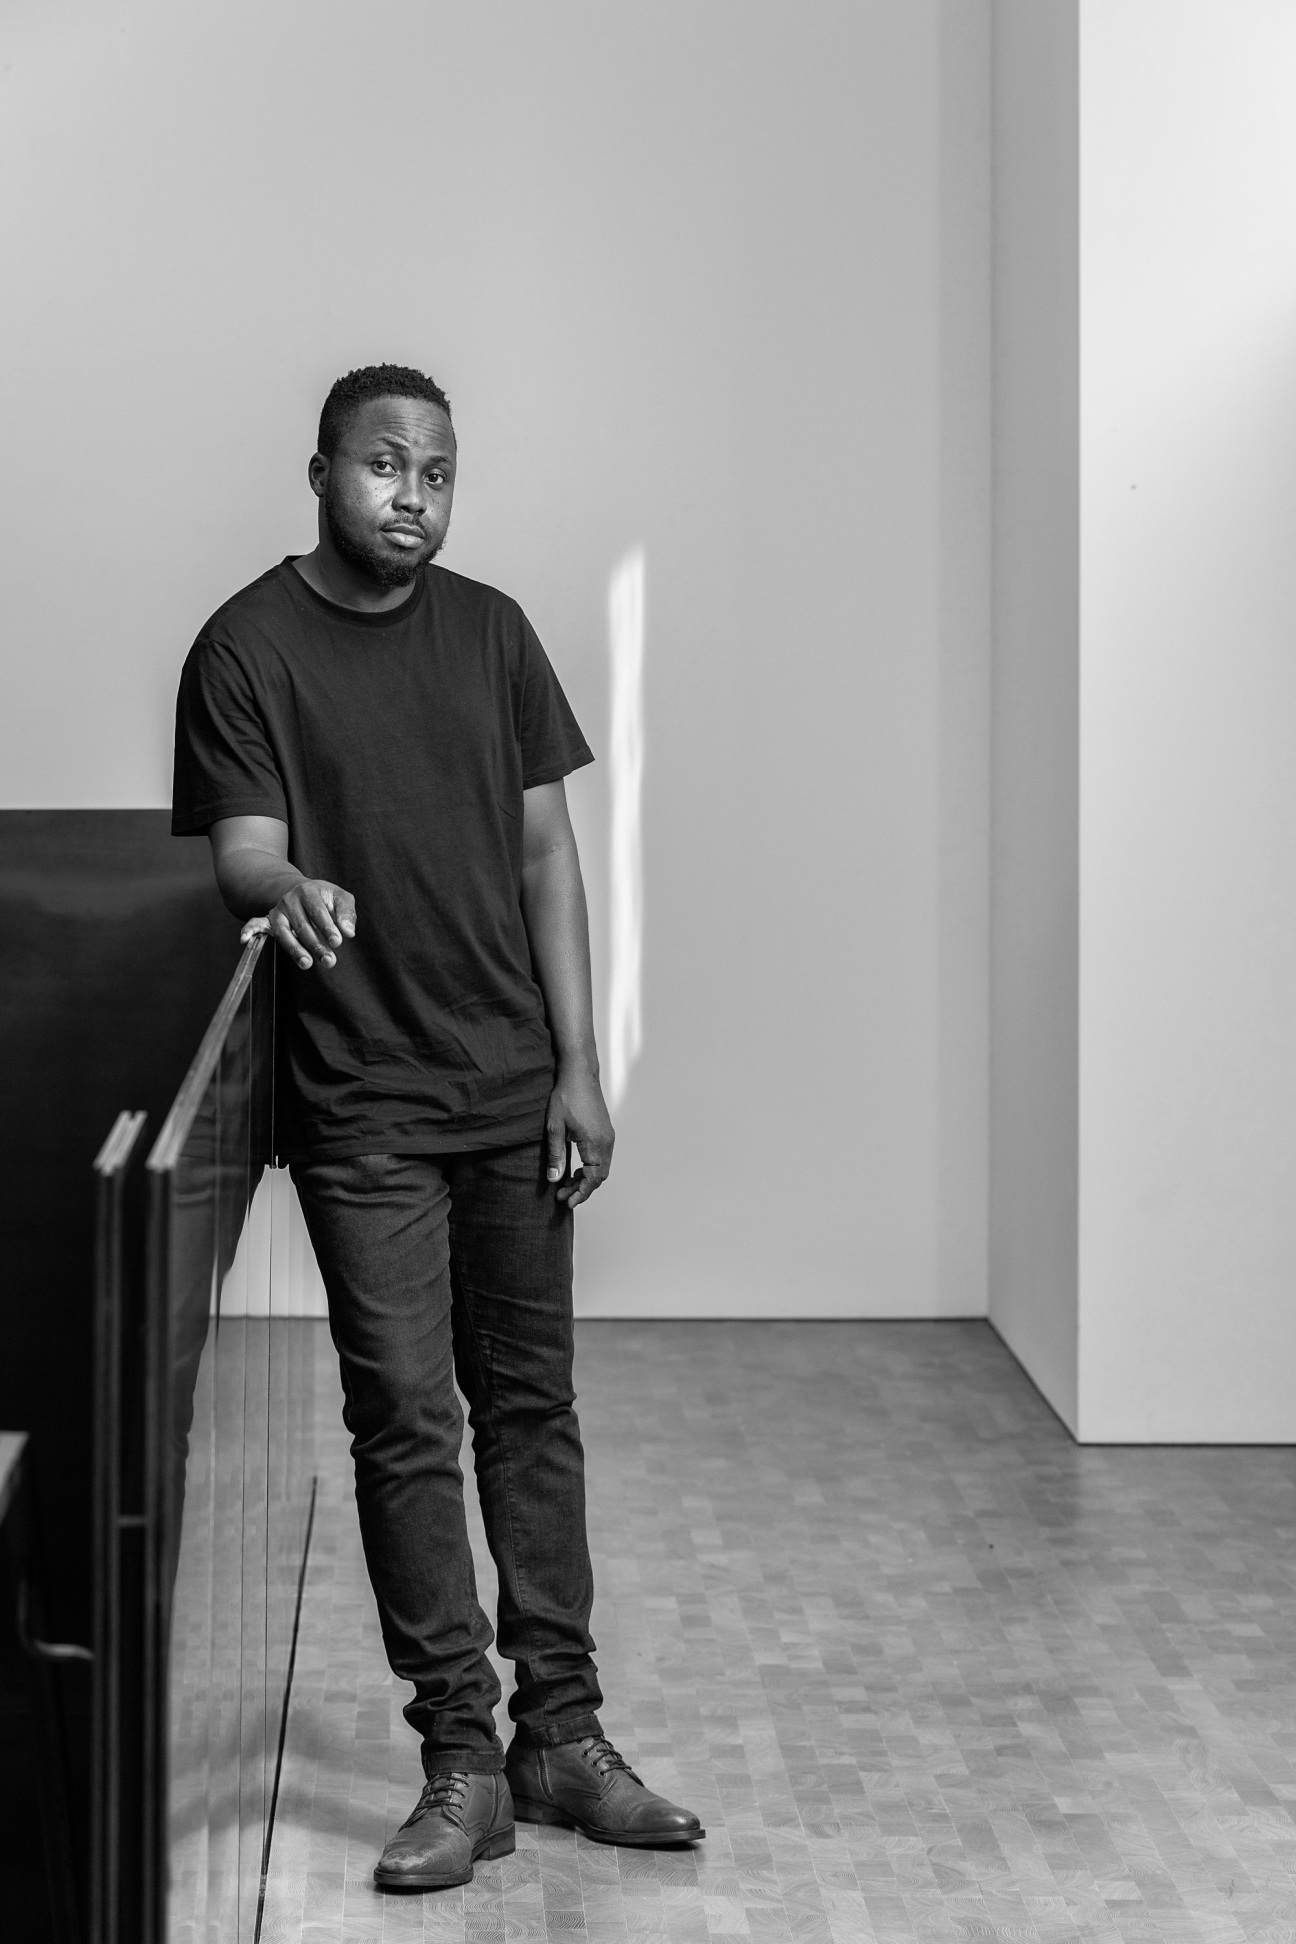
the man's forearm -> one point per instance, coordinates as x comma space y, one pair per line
557, 923
252, 881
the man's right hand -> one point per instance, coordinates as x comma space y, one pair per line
311, 922
308, 918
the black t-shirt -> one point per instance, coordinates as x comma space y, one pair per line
396, 748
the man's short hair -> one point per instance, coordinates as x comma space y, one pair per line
372, 381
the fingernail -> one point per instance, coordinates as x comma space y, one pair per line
555, 1174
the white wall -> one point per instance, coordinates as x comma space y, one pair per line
963, 697
716, 281
1144, 905
806, 1131
1035, 854
1188, 711
710, 279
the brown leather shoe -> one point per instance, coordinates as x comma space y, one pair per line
458, 1819
585, 1785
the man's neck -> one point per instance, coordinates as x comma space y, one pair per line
338, 581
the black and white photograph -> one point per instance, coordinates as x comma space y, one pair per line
648, 972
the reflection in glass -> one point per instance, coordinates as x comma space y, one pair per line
234, 1474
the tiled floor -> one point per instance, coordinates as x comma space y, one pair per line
926, 1669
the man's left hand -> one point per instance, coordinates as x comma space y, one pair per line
577, 1112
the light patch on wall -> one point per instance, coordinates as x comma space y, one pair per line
626, 643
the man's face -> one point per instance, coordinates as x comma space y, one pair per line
387, 491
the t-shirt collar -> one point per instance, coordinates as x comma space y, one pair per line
356, 617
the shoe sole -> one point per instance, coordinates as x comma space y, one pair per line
503, 1843
546, 1812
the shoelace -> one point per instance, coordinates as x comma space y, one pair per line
447, 1790
598, 1751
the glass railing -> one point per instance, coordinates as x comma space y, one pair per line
119, 1792
226, 1501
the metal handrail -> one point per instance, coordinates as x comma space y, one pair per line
175, 1128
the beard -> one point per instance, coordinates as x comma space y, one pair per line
368, 556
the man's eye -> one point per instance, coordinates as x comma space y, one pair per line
437, 477
383, 465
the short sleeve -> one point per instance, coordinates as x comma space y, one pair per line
552, 743
224, 764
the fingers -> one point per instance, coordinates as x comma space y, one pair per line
578, 1111
311, 921
284, 935
556, 1141
582, 1185
317, 909
596, 1164
344, 910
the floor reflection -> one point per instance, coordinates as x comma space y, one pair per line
925, 1668
242, 1472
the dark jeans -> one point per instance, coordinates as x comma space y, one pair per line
459, 1265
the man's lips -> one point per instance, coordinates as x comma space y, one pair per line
405, 532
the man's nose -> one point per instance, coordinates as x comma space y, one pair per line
409, 494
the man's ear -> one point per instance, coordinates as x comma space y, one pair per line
317, 472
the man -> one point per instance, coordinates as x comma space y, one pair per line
376, 749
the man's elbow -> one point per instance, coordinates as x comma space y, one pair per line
228, 886
546, 871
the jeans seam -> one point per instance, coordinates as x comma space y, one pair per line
489, 1369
